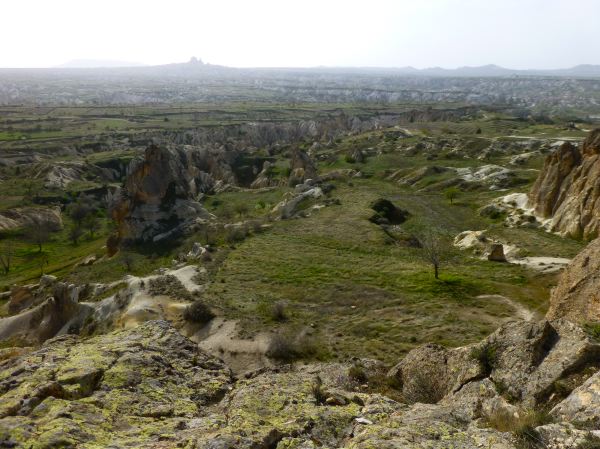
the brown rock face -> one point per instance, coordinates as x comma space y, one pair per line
577, 295
159, 198
568, 189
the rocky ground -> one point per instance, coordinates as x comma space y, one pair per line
526, 385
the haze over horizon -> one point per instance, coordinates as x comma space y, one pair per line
536, 34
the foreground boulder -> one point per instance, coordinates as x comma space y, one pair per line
577, 295
127, 389
567, 189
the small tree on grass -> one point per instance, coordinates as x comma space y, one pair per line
434, 249
7, 252
75, 233
92, 224
38, 232
42, 260
127, 261
451, 193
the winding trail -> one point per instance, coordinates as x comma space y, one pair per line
521, 311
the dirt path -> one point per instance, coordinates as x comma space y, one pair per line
521, 311
220, 338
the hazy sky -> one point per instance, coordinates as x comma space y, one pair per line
421, 33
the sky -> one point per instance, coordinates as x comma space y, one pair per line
517, 34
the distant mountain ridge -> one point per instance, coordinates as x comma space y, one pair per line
196, 66
98, 64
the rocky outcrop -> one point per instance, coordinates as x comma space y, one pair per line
567, 190
55, 313
11, 219
134, 388
302, 168
160, 197
577, 295
148, 386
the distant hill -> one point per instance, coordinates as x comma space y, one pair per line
196, 67
97, 63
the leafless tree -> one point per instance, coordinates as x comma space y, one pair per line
75, 233
92, 224
127, 261
434, 248
38, 232
7, 251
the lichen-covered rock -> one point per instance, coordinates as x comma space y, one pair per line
583, 404
430, 372
568, 189
528, 360
133, 388
577, 295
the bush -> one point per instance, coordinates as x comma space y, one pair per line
357, 373
593, 330
318, 391
486, 356
286, 348
425, 389
198, 312
522, 425
278, 311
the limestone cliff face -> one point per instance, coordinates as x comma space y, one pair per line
159, 197
577, 295
567, 190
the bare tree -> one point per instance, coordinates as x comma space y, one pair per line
127, 261
38, 232
7, 251
42, 261
434, 249
92, 224
75, 233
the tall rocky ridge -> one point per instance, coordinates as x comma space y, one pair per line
567, 191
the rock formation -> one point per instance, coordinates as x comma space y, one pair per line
47, 315
567, 191
160, 196
148, 386
577, 295
16, 218
302, 168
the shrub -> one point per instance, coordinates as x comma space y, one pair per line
287, 348
278, 311
486, 356
318, 392
425, 389
521, 424
593, 330
358, 374
198, 312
